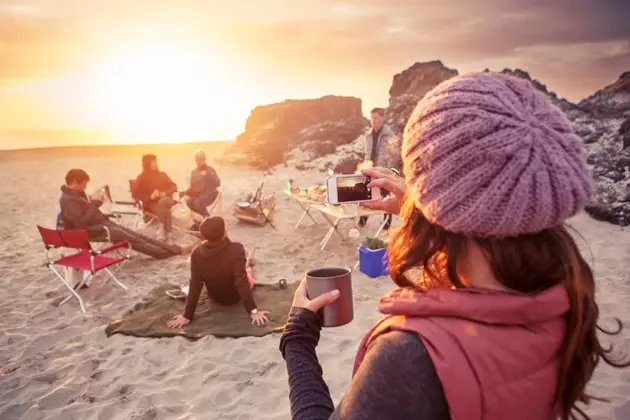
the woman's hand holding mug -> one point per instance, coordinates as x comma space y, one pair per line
301, 300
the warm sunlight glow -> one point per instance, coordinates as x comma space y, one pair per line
160, 93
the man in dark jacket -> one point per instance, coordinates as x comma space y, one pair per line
204, 185
220, 265
155, 189
78, 211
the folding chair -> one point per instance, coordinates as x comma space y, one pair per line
123, 210
256, 209
104, 238
142, 215
86, 259
218, 202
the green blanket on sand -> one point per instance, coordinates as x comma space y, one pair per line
149, 317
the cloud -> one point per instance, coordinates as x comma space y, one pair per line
318, 41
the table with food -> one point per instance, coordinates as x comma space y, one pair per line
314, 198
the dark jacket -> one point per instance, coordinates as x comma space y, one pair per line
220, 266
149, 181
203, 182
78, 212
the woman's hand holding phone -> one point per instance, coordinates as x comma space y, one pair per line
388, 180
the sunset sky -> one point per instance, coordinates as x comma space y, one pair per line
158, 70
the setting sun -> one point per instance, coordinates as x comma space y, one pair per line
159, 93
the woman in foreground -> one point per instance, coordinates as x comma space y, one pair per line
500, 322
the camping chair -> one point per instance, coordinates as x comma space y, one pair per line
119, 214
86, 259
142, 215
105, 238
218, 202
255, 208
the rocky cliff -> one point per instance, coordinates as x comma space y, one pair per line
409, 86
605, 127
316, 126
324, 133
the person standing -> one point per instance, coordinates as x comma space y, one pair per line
155, 189
204, 187
383, 150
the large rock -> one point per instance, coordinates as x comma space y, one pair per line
325, 133
606, 122
317, 125
613, 101
409, 86
602, 120
599, 120
344, 160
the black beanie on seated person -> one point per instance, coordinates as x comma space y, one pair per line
212, 229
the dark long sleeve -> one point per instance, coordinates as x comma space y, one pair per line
80, 219
171, 187
143, 189
396, 380
242, 283
196, 286
212, 181
308, 393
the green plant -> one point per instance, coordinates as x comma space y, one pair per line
374, 243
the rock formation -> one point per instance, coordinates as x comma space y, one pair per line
605, 127
325, 133
316, 126
409, 86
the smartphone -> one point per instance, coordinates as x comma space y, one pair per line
347, 189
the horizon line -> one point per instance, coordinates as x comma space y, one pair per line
113, 145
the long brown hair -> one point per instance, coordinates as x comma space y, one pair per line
526, 264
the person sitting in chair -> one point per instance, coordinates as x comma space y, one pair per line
204, 184
221, 265
155, 189
78, 211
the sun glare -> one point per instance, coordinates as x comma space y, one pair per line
159, 94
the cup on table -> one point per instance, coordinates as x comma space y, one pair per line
327, 279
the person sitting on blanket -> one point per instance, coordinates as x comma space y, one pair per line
204, 184
78, 211
222, 265
155, 189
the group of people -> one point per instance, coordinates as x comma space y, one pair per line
500, 322
156, 190
218, 263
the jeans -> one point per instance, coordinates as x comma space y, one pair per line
200, 203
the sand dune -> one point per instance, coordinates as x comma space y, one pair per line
56, 363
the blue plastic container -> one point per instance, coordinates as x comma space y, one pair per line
373, 262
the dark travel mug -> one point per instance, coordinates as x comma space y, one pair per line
327, 279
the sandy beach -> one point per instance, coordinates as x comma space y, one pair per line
56, 363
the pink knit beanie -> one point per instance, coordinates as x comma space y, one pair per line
488, 155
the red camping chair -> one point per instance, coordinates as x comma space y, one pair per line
87, 259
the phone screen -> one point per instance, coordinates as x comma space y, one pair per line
353, 188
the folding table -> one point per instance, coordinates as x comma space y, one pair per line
333, 215
305, 204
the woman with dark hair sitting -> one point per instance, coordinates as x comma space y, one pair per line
501, 322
